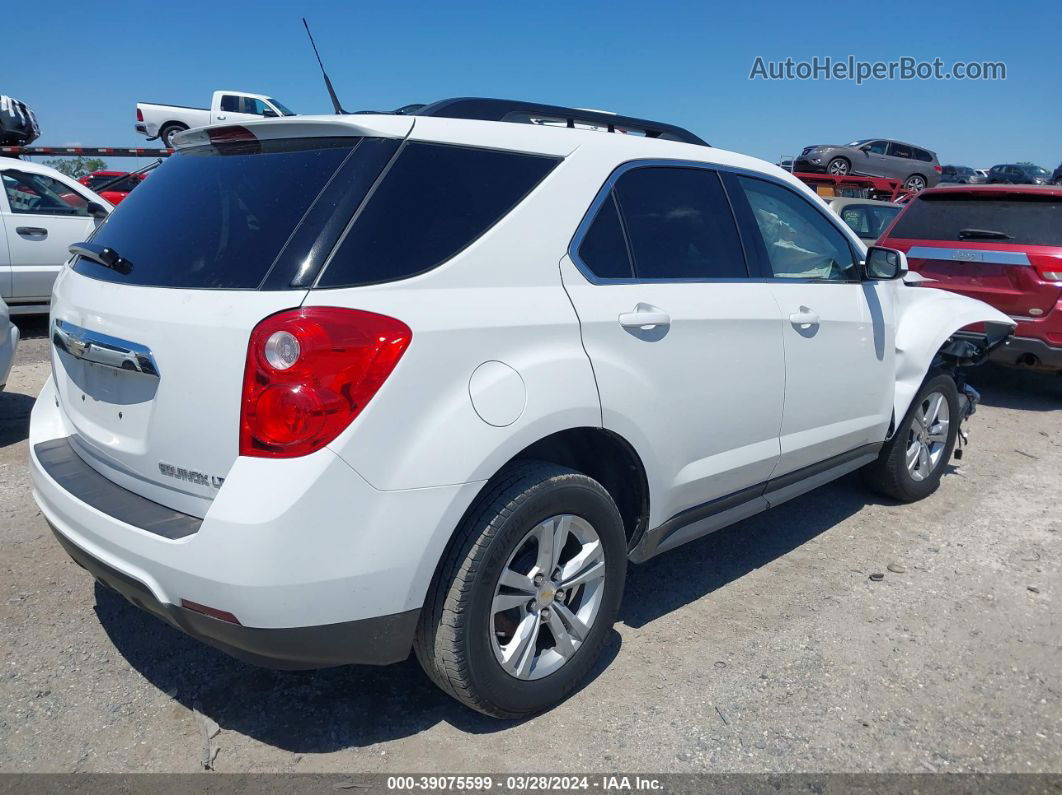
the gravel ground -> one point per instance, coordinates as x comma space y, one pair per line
762, 648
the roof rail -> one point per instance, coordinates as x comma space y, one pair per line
512, 110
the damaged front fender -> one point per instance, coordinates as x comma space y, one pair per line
929, 325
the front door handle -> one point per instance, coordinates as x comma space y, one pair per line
805, 318
32, 231
645, 316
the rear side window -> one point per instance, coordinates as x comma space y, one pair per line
922, 154
1017, 219
604, 249
217, 216
434, 201
680, 225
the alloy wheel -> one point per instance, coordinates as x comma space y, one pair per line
547, 597
927, 436
838, 168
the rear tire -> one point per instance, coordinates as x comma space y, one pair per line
465, 632
912, 462
915, 183
168, 131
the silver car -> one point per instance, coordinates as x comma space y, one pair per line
868, 218
915, 167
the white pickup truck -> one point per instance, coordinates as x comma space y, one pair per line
165, 121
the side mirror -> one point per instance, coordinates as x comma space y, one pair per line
884, 264
96, 210
269, 113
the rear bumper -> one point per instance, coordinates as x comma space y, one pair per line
1028, 352
372, 641
316, 566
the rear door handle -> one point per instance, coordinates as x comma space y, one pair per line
645, 316
805, 318
32, 231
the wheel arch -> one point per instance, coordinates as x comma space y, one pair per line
927, 320
596, 452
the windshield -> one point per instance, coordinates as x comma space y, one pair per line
284, 109
860, 142
1036, 171
1026, 219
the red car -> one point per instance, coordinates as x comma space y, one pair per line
1001, 244
123, 183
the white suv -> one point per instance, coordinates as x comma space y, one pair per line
389, 382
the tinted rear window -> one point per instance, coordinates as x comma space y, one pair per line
1028, 220
217, 216
434, 201
680, 225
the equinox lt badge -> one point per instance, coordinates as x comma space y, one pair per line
190, 475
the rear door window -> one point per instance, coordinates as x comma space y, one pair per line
217, 216
985, 217
899, 150
680, 225
433, 202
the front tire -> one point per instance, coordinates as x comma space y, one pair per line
912, 462
839, 167
525, 599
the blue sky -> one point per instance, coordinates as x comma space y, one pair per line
688, 63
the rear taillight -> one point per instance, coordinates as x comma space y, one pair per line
139, 115
938, 169
310, 372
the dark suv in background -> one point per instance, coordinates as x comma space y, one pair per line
961, 175
1018, 174
915, 167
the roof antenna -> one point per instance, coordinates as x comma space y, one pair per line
328, 83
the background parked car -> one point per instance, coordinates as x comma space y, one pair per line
962, 175
868, 218
165, 121
982, 172
8, 343
1001, 244
41, 213
1056, 177
917, 168
1018, 174
112, 185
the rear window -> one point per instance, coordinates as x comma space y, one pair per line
1025, 220
217, 216
433, 202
